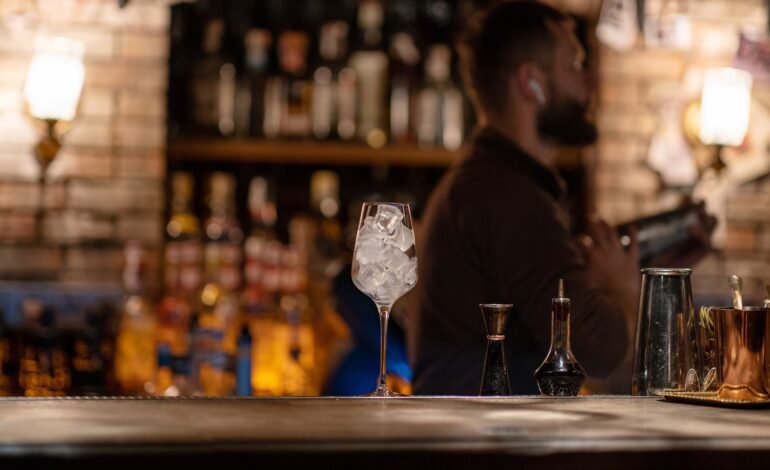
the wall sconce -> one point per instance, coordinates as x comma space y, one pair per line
724, 109
52, 92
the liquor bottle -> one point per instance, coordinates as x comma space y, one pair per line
440, 103
244, 363
299, 360
216, 334
162, 385
371, 66
347, 103
223, 234
273, 106
326, 80
315, 315
7, 361
662, 234
403, 86
560, 374
297, 89
183, 272
324, 257
265, 320
44, 369
227, 88
212, 347
135, 342
298, 371
184, 249
213, 84
261, 278
89, 349
250, 104
263, 217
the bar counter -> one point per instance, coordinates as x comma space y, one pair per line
412, 432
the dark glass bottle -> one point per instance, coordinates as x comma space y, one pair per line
224, 236
263, 216
440, 103
326, 80
560, 374
213, 84
7, 360
135, 342
296, 118
250, 104
44, 369
90, 365
370, 63
404, 78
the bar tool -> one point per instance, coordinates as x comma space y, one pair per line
666, 351
736, 284
494, 378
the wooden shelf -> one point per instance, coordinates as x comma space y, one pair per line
306, 152
319, 153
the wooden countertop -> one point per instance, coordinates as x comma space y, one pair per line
378, 433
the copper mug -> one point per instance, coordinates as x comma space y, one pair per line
741, 343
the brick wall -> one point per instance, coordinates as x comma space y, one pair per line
633, 87
106, 185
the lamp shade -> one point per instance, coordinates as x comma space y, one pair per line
725, 106
55, 78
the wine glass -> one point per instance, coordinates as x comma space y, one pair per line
384, 265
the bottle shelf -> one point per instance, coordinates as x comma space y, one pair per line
306, 153
285, 152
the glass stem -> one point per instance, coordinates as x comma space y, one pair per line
384, 313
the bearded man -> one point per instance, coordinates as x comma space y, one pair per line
496, 229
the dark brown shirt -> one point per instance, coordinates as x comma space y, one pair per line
495, 231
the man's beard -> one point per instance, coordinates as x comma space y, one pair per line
565, 122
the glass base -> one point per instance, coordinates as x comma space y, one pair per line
382, 393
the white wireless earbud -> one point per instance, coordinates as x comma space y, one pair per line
538, 91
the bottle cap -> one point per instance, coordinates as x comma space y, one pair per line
333, 42
437, 65
560, 296
212, 37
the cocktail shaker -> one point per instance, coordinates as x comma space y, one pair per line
666, 341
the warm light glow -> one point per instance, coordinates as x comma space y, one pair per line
55, 78
725, 105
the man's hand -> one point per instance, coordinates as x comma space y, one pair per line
612, 268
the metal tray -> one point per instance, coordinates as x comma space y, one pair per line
711, 399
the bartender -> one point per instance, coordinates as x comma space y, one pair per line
496, 229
